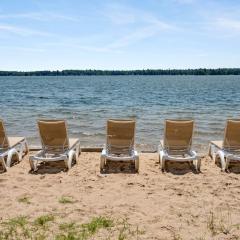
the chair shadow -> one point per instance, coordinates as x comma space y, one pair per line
119, 167
1, 169
13, 163
180, 168
234, 166
50, 168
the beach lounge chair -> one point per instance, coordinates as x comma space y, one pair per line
120, 144
177, 143
11, 147
56, 146
229, 148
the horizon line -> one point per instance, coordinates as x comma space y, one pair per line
123, 70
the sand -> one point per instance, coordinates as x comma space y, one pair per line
178, 204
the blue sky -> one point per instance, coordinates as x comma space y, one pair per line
119, 34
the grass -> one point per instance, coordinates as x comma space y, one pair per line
67, 226
126, 230
44, 219
220, 223
84, 231
97, 223
24, 200
13, 227
22, 228
65, 200
18, 221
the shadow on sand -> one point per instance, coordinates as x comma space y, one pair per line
234, 166
179, 168
119, 167
51, 168
13, 163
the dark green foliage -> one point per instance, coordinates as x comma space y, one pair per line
200, 71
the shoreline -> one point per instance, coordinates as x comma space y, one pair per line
133, 72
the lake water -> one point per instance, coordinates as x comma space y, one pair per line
86, 102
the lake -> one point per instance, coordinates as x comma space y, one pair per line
86, 102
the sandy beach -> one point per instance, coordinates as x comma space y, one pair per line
178, 204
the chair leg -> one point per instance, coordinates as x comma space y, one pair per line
199, 162
22, 146
68, 161
102, 162
78, 152
33, 165
212, 152
26, 147
227, 163
162, 160
10, 155
195, 164
222, 158
137, 164
3, 164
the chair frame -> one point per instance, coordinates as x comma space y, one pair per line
55, 153
225, 154
180, 155
106, 155
17, 150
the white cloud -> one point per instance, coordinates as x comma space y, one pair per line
22, 31
139, 34
185, 1
125, 15
119, 14
39, 16
24, 49
228, 24
138, 24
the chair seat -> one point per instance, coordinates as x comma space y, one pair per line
180, 159
120, 157
40, 156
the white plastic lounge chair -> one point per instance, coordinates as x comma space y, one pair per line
120, 143
10, 147
229, 148
177, 143
56, 146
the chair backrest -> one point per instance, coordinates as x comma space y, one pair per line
3, 136
178, 135
232, 134
120, 135
53, 134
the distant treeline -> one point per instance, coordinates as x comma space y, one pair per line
200, 71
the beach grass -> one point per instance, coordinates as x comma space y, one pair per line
66, 200
24, 199
102, 227
44, 219
218, 222
23, 228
